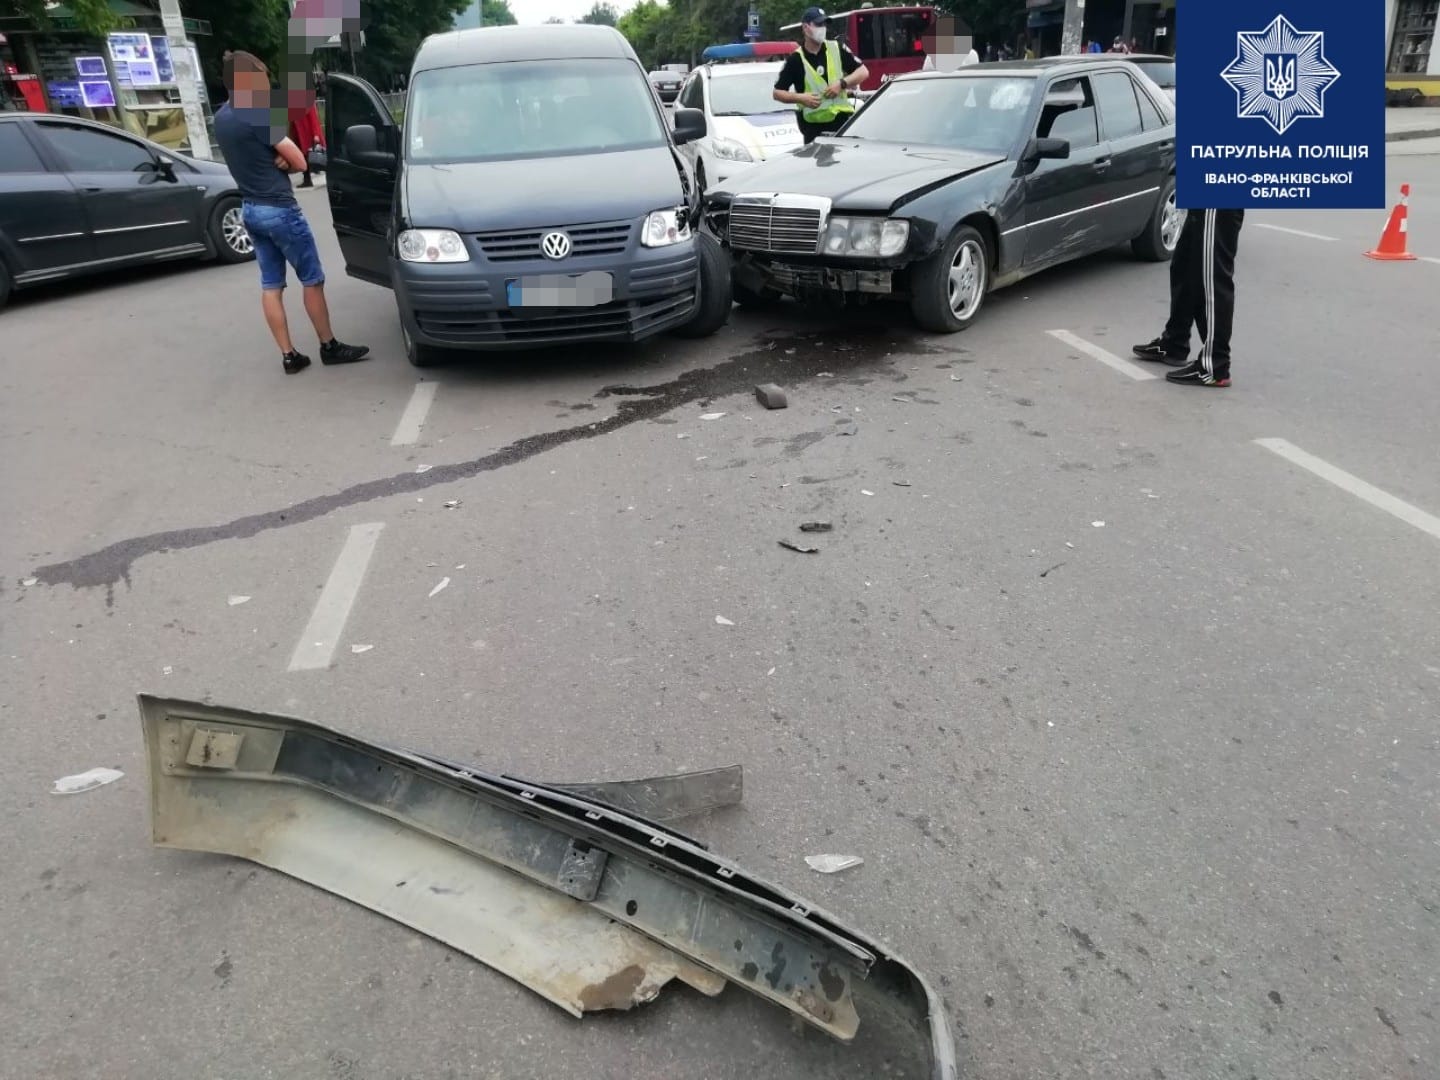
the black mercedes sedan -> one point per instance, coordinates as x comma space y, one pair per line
78, 197
946, 186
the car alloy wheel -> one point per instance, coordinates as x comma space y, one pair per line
232, 228
1172, 222
967, 280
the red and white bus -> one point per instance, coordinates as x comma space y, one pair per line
889, 40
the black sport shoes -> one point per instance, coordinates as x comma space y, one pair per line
335, 351
1161, 353
1195, 375
294, 361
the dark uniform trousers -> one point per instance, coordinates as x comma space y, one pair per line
1202, 288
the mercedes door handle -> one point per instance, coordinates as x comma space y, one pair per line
1102, 164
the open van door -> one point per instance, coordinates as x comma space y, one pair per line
362, 163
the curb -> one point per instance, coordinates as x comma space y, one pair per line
1406, 136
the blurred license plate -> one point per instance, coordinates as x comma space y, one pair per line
561, 290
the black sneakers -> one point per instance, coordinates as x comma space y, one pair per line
335, 351
1161, 353
1195, 375
294, 361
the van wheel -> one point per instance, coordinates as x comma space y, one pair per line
420, 355
227, 233
1162, 233
716, 291
948, 289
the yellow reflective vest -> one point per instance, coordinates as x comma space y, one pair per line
814, 84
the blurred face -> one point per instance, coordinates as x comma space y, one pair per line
252, 89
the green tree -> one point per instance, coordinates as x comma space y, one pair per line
496, 13
91, 16
601, 14
989, 20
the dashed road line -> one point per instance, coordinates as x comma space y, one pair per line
413, 418
327, 621
1095, 352
1296, 232
1383, 500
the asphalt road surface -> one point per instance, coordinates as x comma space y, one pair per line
1127, 694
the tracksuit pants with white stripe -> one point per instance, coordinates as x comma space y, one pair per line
1202, 288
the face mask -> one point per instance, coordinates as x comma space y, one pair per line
817, 34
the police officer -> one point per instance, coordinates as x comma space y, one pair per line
1202, 294
816, 78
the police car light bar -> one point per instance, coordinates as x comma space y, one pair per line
749, 50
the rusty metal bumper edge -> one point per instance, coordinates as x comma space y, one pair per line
588, 905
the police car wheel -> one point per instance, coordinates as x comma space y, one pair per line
715, 290
948, 289
1162, 232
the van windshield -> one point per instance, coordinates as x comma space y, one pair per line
530, 109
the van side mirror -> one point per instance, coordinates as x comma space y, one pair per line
689, 125
362, 147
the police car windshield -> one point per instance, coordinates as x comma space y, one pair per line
529, 109
745, 95
985, 114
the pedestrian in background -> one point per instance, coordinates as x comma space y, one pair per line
1202, 295
307, 134
251, 131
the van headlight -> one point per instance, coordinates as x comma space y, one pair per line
875, 237
431, 246
729, 149
665, 227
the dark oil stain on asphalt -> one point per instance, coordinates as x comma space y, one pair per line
872, 347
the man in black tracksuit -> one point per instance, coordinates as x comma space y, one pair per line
1202, 294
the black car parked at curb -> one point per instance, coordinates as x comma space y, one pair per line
78, 197
947, 186
534, 196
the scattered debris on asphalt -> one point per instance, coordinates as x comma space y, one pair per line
824, 375
864, 492
804, 549
903, 400
1098, 524
30, 581
770, 672
1047, 573
900, 483
423, 468
711, 415
444, 583
851, 430
771, 396
816, 526
358, 649
452, 504
85, 781
832, 864
722, 621
167, 670
236, 601
956, 378
683, 435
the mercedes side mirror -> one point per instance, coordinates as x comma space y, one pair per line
1048, 149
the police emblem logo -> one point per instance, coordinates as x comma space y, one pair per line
1280, 74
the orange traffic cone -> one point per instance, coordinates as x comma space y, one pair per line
1393, 239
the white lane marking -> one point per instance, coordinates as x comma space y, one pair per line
413, 418
327, 621
1411, 515
1295, 232
1079, 344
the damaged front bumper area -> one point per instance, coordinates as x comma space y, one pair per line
565, 889
796, 278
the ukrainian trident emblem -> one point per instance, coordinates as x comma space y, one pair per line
1279, 75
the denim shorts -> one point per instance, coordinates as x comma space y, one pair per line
282, 235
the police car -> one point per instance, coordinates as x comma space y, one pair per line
744, 124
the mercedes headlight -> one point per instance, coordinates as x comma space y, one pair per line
665, 227
730, 149
431, 246
874, 237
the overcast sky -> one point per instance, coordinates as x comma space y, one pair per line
535, 12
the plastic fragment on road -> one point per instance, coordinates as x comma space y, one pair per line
444, 583
1098, 524
900, 483
452, 504
711, 415
683, 435
235, 601
30, 581
864, 492
357, 649
824, 375
423, 468
720, 620
816, 526
85, 781
804, 549
771, 396
832, 864
167, 670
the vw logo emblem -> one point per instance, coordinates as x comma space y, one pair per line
556, 245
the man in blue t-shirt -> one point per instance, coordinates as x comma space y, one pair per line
252, 133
